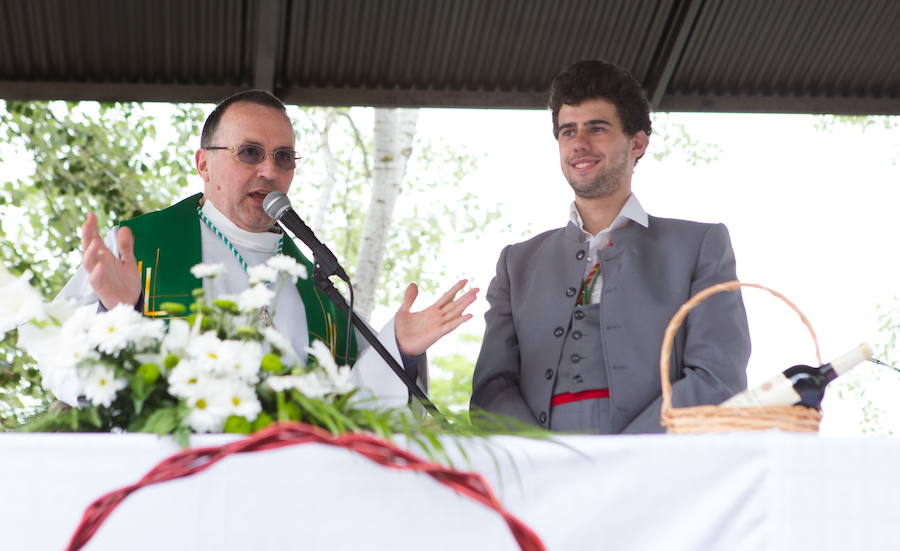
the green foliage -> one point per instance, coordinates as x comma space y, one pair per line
829, 123
860, 123
869, 390
451, 375
422, 226
670, 138
82, 156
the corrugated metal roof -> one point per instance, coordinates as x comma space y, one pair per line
716, 55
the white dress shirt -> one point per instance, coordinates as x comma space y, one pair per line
632, 211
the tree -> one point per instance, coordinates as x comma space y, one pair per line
84, 156
424, 184
868, 392
862, 123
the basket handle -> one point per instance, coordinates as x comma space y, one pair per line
676, 321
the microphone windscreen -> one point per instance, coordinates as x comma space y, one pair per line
275, 204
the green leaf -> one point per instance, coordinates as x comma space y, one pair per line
237, 425
163, 421
93, 416
262, 421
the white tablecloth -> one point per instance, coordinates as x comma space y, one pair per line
748, 491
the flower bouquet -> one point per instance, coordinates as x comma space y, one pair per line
213, 370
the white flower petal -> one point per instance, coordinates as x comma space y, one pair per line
201, 271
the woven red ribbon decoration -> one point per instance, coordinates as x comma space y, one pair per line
188, 462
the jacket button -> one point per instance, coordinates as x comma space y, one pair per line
542, 417
576, 335
579, 315
548, 374
570, 292
558, 332
579, 255
575, 358
578, 379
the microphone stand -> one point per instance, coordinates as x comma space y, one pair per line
320, 277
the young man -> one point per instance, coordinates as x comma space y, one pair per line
577, 314
246, 151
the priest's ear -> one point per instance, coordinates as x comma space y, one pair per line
201, 160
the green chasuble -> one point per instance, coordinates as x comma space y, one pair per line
167, 245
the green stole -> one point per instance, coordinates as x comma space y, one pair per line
167, 245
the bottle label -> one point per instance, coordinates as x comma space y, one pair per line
777, 391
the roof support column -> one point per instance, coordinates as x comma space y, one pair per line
267, 37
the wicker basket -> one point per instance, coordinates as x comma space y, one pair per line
700, 419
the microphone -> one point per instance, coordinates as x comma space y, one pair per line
278, 206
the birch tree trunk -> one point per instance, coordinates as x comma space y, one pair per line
330, 172
395, 130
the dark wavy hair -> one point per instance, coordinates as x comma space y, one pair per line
259, 97
591, 79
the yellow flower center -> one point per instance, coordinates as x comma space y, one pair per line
236, 401
102, 382
201, 404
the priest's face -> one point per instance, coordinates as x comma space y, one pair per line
236, 188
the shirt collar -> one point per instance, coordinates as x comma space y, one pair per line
631, 211
264, 242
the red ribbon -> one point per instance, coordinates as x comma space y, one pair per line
188, 462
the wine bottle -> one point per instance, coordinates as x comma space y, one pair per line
800, 384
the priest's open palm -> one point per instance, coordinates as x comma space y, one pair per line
416, 331
115, 280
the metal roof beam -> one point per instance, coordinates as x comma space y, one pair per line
663, 66
266, 44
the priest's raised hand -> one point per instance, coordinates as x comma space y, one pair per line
416, 331
114, 279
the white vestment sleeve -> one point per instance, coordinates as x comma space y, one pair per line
379, 386
79, 287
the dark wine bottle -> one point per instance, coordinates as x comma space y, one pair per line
800, 384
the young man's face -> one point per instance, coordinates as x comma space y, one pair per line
235, 188
596, 156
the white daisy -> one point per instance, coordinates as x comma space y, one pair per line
287, 265
19, 302
187, 379
201, 270
313, 385
209, 409
261, 273
176, 339
340, 379
281, 344
64, 382
242, 401
101, 385
208, 352
255, 298
242, 360
114, 330
320, 351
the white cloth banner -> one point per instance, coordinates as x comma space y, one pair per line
747, 491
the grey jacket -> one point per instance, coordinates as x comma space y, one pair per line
647, 275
